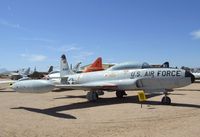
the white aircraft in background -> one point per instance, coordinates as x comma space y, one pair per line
95, 66
15, 75
119, 78
54, 76
196, 75
40, 75
194, 71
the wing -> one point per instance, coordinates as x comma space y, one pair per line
7, 81
148, 85
102, 85
89, 86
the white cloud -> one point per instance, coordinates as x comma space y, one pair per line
69, 48
8, 24
83, 56
9, 8
34, 57
73, 48
109, 60
86, 54
195, 34
38, 39
64, 48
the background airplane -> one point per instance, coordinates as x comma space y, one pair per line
196, 75
39, 75
95, 66
15, 75
194, 71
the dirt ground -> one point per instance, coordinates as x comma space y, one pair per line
68, 114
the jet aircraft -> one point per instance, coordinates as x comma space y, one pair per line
39, 75
15, 75
119, 78
196, 75
95, 66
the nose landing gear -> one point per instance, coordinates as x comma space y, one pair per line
166, 100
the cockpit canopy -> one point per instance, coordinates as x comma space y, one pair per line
130, 65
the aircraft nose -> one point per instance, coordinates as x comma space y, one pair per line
189, 74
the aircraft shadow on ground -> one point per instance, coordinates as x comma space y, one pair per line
187, 89
177, 94
4, 90
71, 96
54, 111
61, 90
47, 112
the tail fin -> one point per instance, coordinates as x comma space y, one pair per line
76, 67
96, 66
50, 69
64, 67
26, 72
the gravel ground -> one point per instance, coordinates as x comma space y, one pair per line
68, 114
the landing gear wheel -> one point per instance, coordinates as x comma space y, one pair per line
120, 93
92, 96
166, 100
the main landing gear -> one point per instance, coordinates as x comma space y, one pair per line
120, 93
92, 96
166, 100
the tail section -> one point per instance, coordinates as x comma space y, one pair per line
76, 67
64, 67
96, 66
50, 69
26, 72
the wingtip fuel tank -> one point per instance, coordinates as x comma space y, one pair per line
33, 86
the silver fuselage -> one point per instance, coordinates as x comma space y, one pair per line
151, 78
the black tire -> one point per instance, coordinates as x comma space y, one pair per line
95, 97
166, 100
96, 94
92, 96
119, 94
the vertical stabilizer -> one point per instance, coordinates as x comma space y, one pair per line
26, 72
64, 67
50, 69
96, 66
76, 67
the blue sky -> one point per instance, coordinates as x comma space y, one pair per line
36, 32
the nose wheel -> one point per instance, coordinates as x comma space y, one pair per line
166, 100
